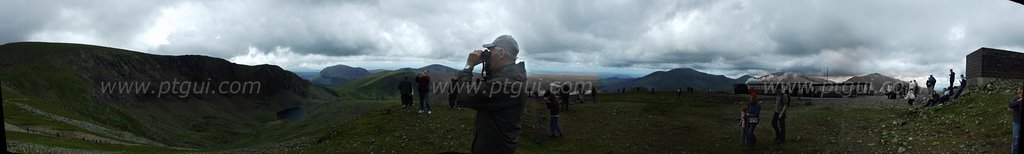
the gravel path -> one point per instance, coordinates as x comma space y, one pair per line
121, 135
23, 147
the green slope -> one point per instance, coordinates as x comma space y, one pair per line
694, 123
382, 85
978, 123
51, 96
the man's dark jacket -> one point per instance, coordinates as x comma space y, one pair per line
423, 84
551, 102
498, 116
405, 87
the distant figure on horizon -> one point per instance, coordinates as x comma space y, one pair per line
405, 90
679, 92
912, 88
1017, 107
564, 96
579, 93
952, 77
423, 86
931, 84
963, 85
593, 93
453, 97
779, 117
916, 89
652, 90
552, 103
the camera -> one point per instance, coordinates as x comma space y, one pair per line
485, 59
485, 56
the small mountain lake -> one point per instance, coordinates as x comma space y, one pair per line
291, 114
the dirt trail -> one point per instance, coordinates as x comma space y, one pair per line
120, 135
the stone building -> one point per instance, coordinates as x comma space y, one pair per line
986, 64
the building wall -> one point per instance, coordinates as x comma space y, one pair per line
986, 64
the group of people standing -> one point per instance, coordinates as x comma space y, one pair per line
554, 101
751, 113
679, 92
422, 88
933, 98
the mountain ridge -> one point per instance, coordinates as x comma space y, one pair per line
678, 78
68, 79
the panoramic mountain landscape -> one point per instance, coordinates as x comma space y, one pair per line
567, 76
79, 107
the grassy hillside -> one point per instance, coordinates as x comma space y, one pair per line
620, 123
978, 123
697, 123
52, 95
383, 85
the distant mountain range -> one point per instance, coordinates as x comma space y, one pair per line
679, 78
670, 80
339, 74
788, 77
876, 80
384, 84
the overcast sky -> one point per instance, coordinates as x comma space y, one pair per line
908, 39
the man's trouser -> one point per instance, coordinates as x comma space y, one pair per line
751, 139
554, 126
779, 125
451, 102
424, 101
1016, 139
406, 99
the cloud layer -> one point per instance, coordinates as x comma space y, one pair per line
908, 39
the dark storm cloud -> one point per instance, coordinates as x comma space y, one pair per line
910, 38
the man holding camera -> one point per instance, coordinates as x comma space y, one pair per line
423, 86
499, 106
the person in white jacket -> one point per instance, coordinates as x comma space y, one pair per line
910, 94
